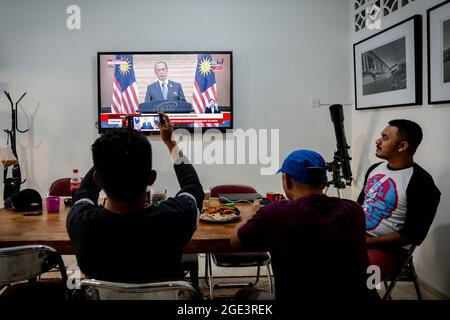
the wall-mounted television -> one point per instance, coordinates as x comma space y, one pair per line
194, 88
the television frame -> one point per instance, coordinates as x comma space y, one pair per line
190, 129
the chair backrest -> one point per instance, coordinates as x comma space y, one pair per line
405, 271
60, 188
27, 262
404, 264
168, 290
231, 188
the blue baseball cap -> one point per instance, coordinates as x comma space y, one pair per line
305, 167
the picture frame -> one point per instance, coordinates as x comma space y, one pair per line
388, 67
438, 49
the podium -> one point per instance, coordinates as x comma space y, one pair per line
166, 106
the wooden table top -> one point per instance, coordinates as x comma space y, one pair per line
50, 229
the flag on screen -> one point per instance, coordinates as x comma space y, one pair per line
125, 91
204, 84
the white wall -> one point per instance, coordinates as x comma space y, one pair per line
432, 259
285, 52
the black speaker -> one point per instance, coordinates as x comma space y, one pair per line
8, 188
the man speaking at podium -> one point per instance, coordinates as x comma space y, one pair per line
164, 89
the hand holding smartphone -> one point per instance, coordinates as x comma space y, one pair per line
160, 120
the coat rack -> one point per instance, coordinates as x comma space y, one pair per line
12, 184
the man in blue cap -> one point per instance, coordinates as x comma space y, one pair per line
317, 243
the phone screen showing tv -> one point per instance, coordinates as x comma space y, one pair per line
144, 123
193, 88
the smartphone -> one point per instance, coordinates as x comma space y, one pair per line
161, 120
32, 213
145, 122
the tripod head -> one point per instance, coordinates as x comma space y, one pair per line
335, 167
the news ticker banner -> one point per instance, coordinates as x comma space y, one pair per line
120, 120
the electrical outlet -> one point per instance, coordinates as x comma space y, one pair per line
315, 102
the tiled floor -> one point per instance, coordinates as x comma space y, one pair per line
402, 291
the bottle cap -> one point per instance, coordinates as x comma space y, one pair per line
75, 170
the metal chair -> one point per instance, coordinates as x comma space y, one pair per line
167, 290
405, 272
236, 260
27, 263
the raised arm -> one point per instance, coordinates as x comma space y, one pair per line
186, 174
88, 188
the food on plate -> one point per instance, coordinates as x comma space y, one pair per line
219, 213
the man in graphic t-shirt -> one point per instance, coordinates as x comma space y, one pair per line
399, 197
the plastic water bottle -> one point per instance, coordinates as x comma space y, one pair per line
75, 182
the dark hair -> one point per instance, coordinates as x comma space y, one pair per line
409, 131
316, 175
160, 62
123, 161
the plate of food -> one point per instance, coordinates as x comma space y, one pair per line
220, 214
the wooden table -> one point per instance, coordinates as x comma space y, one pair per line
50, 229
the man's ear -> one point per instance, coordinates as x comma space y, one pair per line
97, 179
403, 146
288, 182
152, 177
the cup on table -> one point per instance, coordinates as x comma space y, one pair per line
52, 203
207, 193
274, 196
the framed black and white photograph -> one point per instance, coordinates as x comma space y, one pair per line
387, 67
438, 32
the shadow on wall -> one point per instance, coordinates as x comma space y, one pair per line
27, 151
433, 258
365, 139
441, 235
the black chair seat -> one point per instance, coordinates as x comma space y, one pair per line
241, 259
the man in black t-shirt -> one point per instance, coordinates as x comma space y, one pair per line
129, 240
399, 197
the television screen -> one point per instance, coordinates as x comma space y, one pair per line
195, 89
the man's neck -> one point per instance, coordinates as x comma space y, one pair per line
298, 194
401, 163
126, 206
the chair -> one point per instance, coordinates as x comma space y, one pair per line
405, 272
231, 188
240, 259
27, 263
60, 188
168, 290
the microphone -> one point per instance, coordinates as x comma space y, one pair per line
337, 117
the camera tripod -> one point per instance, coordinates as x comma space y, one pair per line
338, 180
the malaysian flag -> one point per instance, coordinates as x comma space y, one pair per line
204, 84
125, 91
